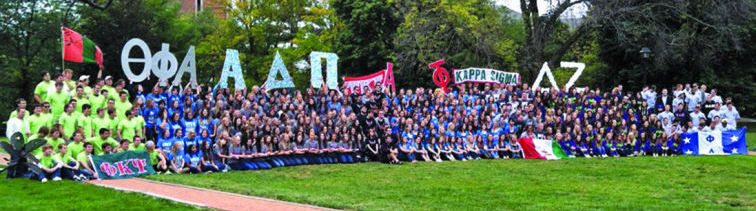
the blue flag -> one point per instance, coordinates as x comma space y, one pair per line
730, 142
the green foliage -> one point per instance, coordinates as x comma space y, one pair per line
260, 28
692, 41
154, 21
464, 33
30, 30
715, 182
365, 43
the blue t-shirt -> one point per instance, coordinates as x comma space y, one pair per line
193, 160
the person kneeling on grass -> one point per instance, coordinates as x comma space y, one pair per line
50, 167
156, 158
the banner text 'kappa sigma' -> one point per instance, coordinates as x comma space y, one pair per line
482, 75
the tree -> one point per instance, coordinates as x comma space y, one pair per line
465, 33
692, 41
540, 30
154, 21
366, 42
30, 30
260, 28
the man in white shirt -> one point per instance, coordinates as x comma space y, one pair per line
731, 115
677, 101
696, 116
715, 97
17, 124
716, 112
649, 95
666, 114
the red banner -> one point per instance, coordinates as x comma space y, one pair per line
363, 84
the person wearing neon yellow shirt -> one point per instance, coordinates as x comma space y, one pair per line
122, 105
68, 121
77, 145
100, 121
41, 134
38, 120
58, 100
128, 127
80, 98
84, 122
98, 99
103, 138
67, 76
20, 104
109, 86
140, 121
69, 166
83, 159
40, 91
53, 139
83, 82
49, 165
114, 120
137, 144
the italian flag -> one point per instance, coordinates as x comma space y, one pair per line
541, 149
77, 48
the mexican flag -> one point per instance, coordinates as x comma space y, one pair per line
541, 149
77, 48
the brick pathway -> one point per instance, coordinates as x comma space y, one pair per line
201, 197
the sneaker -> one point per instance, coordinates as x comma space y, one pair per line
57, 179
76, 178
438, 160
44, 180
167, 172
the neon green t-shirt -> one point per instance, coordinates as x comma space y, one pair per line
41, 89
36, 121
99, 123
113, 124
80, 102
128, 128
63, 158
75, 148
141, 147
85, 123
83, 159
97, 101
58, 102
121, 108
153, 157
98, 141
48, 161
69, 124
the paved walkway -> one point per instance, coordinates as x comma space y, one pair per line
201, 197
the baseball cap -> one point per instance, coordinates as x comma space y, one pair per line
83, 77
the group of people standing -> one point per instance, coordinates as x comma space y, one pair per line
195, 129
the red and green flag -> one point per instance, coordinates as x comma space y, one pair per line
77, 48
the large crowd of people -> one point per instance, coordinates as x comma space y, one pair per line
205, 129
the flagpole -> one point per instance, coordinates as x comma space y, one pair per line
62, 49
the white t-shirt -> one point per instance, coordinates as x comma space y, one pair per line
16, 125
695, 117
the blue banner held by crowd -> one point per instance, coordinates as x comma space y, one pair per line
729, 142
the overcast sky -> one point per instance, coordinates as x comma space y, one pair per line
543, 7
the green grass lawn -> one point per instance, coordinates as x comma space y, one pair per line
751, 140
24, 194
711, 182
